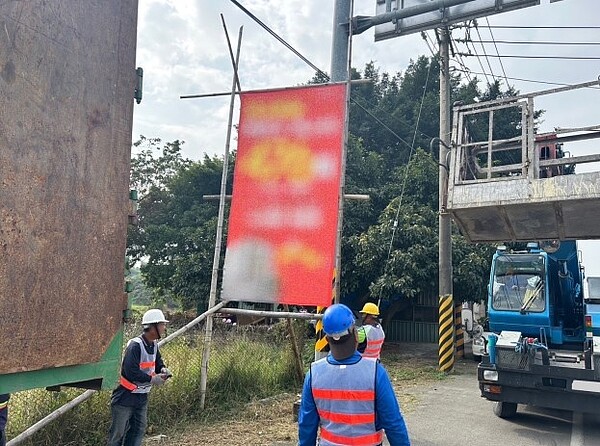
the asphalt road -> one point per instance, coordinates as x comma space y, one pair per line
452, 413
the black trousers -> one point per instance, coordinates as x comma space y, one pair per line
2, 438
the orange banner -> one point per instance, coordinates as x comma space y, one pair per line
284, 209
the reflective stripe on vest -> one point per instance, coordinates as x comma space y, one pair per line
345, 400
3, 405
375, 338
147, 365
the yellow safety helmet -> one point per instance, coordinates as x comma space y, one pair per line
370, 308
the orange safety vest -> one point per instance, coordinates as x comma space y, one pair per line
345, 399
147, 365
375, 339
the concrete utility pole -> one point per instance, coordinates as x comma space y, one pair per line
340, 45
446, 310
340, 73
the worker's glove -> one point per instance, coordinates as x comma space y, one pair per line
157, 380
165, 371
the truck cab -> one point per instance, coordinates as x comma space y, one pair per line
538, 293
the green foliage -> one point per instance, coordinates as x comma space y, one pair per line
176, 234
141, 294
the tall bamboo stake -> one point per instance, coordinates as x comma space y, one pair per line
218, 242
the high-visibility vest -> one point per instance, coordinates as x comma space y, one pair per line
345, 400
147, 365
375, 338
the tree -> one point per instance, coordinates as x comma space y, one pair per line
175, 238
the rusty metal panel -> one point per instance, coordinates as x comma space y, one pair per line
67, 77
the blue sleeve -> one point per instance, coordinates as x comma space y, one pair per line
387, 410
308, 418
131, 364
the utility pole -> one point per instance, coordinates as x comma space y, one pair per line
340, 45
446, 305
340, 72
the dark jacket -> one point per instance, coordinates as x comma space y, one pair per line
3, 410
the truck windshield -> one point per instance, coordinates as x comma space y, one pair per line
518, 283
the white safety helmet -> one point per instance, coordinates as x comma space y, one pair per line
153, 316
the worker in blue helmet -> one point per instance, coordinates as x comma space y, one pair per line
347, 399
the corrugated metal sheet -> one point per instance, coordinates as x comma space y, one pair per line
408, 331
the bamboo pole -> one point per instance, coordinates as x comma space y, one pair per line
217, 256
272, 314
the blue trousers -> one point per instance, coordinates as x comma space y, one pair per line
128, 425
2, 438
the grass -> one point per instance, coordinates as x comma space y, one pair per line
243, 367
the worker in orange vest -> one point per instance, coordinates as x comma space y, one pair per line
347, 399
142, 368
370, 335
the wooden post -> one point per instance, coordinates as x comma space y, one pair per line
297, 356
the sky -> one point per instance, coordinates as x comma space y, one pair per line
183, 50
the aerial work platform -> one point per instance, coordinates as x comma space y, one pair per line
508, 184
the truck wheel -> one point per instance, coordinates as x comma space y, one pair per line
505, 410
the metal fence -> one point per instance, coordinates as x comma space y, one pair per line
246, 362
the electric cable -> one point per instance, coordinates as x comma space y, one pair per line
474, 52
535, 42
561, 84
540, 27
522, 56
498, 53
483, 49
280, 39
403, 188
425, 37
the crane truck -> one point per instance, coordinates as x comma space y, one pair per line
511, 184
545, 353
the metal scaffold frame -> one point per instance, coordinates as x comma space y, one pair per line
522, 186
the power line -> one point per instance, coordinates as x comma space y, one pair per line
484, 53
498, 53
478, 58
280, 39
526, 80
531, 42
521, 56
539, 27
425, 37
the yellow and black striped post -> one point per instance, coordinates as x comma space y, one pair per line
446, 334
321, 344
459, 333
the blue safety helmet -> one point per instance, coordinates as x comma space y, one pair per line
338, 321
